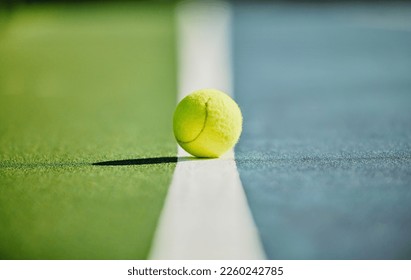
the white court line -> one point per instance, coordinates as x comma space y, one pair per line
206, 215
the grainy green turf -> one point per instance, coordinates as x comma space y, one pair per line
83, 84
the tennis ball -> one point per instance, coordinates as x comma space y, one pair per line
207, 123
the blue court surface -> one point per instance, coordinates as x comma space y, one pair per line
325, 155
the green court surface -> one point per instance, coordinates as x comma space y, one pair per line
80, 85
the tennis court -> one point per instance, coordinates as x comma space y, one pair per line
89, 168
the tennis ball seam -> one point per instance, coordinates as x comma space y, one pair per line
204, 125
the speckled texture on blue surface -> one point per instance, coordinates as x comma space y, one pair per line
325, 155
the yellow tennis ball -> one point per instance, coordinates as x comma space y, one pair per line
207, 123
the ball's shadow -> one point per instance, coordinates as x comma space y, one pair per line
144, 161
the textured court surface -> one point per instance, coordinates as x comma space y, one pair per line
325, 157
78, 85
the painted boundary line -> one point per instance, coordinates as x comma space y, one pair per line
206, 215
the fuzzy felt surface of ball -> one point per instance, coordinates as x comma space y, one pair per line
207, 123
